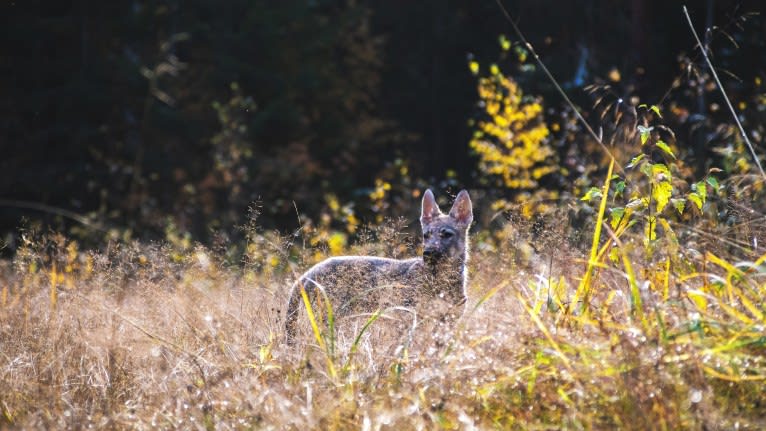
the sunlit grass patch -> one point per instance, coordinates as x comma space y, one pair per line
149, 336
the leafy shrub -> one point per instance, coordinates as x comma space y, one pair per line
511, 142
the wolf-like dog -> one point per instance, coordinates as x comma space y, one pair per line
363, 284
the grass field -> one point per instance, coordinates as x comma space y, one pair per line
149, 336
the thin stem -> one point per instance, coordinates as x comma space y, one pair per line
725, 97
49, 209
555, 83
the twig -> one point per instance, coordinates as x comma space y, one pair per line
555, 83
49, 209
725, 97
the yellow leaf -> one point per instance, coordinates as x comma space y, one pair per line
505, 44
645, 132
661, 193
701, 189
699, 299
694, 197
664, 147
660, 172
337, 243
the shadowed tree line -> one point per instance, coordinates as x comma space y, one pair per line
142, 114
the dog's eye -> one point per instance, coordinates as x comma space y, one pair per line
446, 234
426, 235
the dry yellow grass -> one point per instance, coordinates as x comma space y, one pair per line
146, 337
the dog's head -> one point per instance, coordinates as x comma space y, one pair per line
445, 235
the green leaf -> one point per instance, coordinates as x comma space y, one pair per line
656, 110
634, 161
645, 133
619, 187
617, 215
701, 189
593, 192
661, 193
713, 183
695, 198
679, 205
664, 147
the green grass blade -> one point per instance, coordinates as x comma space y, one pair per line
355, 345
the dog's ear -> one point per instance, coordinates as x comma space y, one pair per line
430, 210
462, 209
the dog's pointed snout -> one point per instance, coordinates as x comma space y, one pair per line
432, 254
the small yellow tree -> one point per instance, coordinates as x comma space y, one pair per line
511, 140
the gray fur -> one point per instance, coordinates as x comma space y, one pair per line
359, 284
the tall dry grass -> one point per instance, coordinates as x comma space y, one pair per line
147, 336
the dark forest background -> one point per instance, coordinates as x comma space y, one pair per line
136, 115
